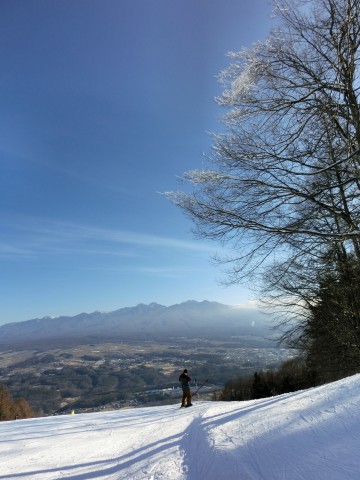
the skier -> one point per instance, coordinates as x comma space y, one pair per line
185, 379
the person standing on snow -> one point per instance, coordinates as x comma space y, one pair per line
185, 379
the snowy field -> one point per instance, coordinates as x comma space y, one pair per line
308, 435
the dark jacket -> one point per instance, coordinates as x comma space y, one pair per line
184, 379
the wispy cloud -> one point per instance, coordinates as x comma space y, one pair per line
35, 235
248, 305
10, 251
89, 233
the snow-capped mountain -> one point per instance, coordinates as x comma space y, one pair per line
199, 319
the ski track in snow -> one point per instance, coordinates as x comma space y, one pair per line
309, 435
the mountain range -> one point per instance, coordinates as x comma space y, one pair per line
154, 321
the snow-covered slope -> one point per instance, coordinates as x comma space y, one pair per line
308, 435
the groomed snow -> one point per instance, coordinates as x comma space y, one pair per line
308, 435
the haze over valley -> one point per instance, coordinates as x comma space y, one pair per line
132, 356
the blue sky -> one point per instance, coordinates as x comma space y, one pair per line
104, 104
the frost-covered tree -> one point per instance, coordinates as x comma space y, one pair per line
283, 183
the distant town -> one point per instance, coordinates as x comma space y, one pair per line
98, 376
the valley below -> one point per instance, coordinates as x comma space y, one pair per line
109, 374
133, 356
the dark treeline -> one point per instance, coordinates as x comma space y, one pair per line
292, 376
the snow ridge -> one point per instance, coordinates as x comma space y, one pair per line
312, 434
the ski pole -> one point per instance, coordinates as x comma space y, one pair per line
201, 386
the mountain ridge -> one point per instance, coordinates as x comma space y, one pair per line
190, 318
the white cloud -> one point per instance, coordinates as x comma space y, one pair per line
250, 304
39, 236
